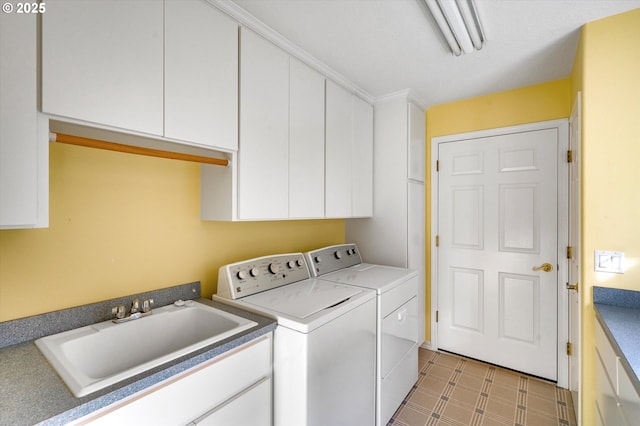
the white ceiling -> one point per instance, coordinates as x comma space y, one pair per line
385, 46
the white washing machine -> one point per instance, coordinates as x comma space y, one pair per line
396, 320
324, 345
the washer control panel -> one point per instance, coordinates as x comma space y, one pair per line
248, 277
332, 258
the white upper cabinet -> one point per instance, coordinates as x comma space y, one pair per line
102, 62
23, 133
306, 142
263, 158
362, 159
162, 68
349, 154
201, 75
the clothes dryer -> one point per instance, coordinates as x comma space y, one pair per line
396, 319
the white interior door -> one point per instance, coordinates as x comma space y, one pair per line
497, 221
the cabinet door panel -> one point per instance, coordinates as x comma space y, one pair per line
306, 142
362, 159
263, 178
102, 62
629, 398
606, 402
251, 408
339, 136
18, 120
201, 75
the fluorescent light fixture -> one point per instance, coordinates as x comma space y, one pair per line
459, 23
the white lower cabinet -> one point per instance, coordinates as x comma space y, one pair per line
249, 408
232, 389
617, 401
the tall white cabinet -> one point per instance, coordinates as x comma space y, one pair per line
394, 236
24, 144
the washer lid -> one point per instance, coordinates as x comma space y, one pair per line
304, 298
376, 277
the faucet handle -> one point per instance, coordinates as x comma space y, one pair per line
146, 305
119, 311
135, 306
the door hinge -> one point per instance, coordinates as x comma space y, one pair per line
570, 156
437, 241
569, 252
572, 286
569, 349
437, 165
436, 316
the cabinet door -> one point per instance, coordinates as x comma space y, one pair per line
628, 397
199, 390
201, 75
349, 154
417, 142
102, 62
339, 135
362, 159
251, 408
23, 148
606, 402
263, 156
306, 142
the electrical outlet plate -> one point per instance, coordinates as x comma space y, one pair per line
609, 261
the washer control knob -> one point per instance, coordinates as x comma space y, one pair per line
349, 252
299, 263
291, 264
241, 275
337, 254
254, 272
274, 268
318, 259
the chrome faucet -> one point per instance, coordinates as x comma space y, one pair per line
121, 315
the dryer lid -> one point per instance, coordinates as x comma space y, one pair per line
376, 277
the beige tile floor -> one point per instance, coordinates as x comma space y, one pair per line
452, 390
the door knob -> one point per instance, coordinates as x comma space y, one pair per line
547, 267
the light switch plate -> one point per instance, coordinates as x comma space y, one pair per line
609, 261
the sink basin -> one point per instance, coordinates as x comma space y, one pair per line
96, 356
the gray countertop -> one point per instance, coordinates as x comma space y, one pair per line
618, 311
31, 392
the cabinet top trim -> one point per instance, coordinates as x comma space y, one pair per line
251, 22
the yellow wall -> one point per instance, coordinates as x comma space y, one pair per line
121, 224
541, 102
606, 70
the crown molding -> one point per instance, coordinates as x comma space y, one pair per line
405, 94
247, 20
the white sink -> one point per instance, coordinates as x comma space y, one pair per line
96, 356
